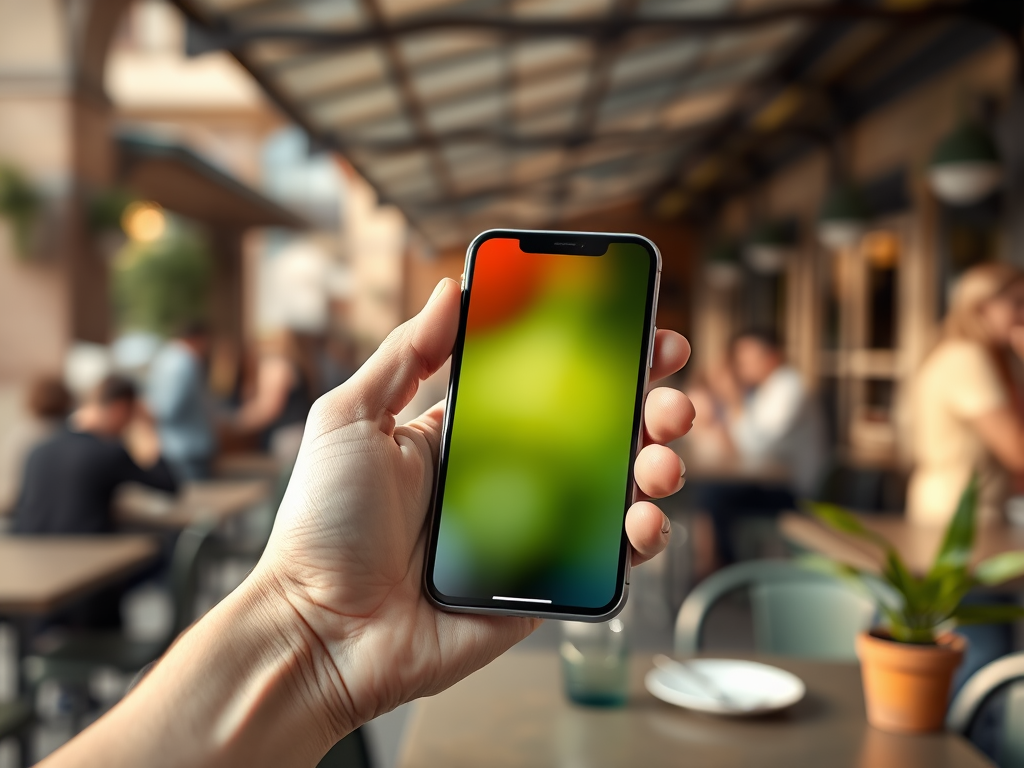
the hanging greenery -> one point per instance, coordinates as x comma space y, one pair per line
106, 207
20, 205
163, 283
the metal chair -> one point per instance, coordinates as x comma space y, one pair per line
989, 710
796, 611
76, 657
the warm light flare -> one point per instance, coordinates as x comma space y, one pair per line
144, 221
882, 249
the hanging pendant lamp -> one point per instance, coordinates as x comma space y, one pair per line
723, 268
769, 248
844, 217
965, 168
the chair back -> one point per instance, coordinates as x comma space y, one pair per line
796, 611
190, 552
996, 730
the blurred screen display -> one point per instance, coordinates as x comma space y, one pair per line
538, 478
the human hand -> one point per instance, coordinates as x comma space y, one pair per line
141, 439
347, 551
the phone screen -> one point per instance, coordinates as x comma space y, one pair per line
543, 416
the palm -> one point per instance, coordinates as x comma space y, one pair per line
352, 529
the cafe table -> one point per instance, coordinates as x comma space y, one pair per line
39, 574
42, 574
513, 714
247, 465
200, 501
916, 543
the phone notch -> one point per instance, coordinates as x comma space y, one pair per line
565, 243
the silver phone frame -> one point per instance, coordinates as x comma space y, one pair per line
434, 511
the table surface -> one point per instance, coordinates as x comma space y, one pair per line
197, 501
918, 544
246, 465
41, 573
513, 713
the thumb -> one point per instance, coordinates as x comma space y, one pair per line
412, 352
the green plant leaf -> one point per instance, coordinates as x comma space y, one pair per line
838, 518
951, 591
908, 634
20, 204
955, 551
987, 614
159, 285
106, 207
903, 582
1000, 568
896, 623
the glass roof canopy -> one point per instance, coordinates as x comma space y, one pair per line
470, 114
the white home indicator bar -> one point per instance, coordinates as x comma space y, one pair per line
521, 599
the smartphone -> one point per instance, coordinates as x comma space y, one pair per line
542, 422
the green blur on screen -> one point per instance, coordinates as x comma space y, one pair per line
538, 469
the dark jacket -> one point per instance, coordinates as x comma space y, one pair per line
70, 480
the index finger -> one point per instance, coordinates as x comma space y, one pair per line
671, 351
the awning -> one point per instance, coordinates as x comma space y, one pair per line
181, 181
476, 113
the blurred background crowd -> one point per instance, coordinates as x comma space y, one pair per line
212, 211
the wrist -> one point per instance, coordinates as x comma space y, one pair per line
303, 664
246, 671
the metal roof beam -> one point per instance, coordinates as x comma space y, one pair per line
221, 36
414, 111
512, 141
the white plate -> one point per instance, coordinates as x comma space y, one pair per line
752, 687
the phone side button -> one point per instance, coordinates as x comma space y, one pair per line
650, 355
629, 568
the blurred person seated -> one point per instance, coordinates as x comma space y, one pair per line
967, 419
756, 410
965, 416
177, 397
281, 399
70, 480
48, 404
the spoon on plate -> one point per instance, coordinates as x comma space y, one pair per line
705, 684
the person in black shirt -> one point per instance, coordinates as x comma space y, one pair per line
70, 480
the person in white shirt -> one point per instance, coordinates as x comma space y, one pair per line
775, 420
765, 416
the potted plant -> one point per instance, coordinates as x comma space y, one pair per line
908, 663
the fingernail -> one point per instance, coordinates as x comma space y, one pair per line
666, 526
437, 291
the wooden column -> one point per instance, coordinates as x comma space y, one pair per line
226, 300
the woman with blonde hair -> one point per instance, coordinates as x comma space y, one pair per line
964, 414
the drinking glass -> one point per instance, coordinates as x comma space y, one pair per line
595, 663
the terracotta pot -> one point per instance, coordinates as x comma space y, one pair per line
906, 686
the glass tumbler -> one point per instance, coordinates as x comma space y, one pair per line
595, 663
